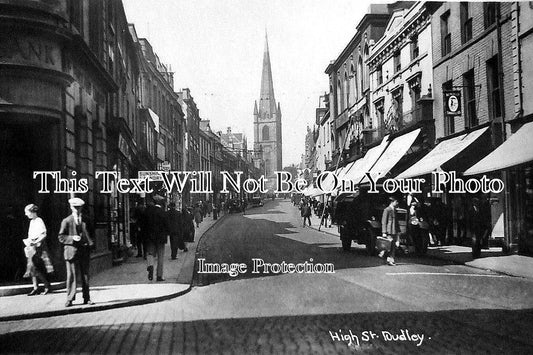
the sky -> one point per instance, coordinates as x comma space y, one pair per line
215, 48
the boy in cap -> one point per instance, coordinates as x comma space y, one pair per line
76, 245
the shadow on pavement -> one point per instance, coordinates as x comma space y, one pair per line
443, 332
239, 240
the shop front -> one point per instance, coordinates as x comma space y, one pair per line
456, 154
514, 157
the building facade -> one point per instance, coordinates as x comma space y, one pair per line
475, 61
349, 84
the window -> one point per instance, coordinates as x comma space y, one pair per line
365, 69
414, 92
449, 121
360, 76
339, 97
415, 51
470, 99
445, 35
76, 14
491, 13
397, 62
379, 74
266, 133
353, 83
380, 112
466, 23
493, 87
347, 89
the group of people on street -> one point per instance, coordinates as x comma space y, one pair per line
152, 227
76, 251
309, 206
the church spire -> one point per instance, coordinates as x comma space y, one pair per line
267, 101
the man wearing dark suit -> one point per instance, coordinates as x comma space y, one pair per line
76, 250
391, 228
175, 226
156, 237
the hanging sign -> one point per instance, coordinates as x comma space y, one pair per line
452, 103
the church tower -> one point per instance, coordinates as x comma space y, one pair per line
267, 121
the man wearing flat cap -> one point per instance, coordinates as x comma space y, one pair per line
76, 250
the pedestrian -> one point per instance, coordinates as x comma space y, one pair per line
197, 215
156, 237
39, 263
76, 250
306, 213
188, 226
209, 208
175, 227
139, 225
325, 215
215, 212
244, 205
413, 227
479, 229
390, 229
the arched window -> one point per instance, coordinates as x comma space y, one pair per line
360, 76
365, 68
353, 83
339, 96
266, 133
347, 89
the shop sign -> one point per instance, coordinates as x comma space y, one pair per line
452, 103
152, 175
165, 166
30, 50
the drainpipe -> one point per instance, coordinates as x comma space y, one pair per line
505, 174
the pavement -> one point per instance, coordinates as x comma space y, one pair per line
493, 259
123, 285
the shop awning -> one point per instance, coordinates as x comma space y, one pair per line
361, 166
392, 155
311, 191
514, 151
345, 170
441, 154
